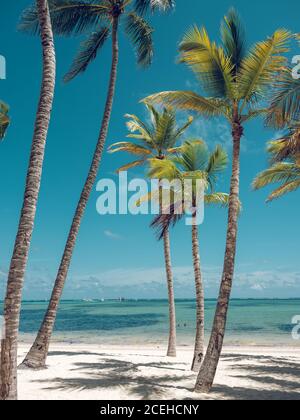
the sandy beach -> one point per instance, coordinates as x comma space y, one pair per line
78, 372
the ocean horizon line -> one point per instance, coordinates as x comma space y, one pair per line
122, 299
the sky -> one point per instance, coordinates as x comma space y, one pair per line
119, 255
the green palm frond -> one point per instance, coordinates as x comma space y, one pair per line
165, 135
254, 113
87, 53
193, 157
284, 189
163, 169
219, 199
287, 146
181, 130
134, 164
158, 138
285, 104
4, 119
190, 101
259, 68
129, 147
208, 62
143, 6
233, 39
280, 172
68, 16
217, 163
136, 125
140, 33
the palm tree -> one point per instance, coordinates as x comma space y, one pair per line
156, 140
103, 18
4, 119
196, 164
236, 82
12, 304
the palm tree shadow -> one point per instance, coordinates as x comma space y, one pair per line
115, 373
273, 378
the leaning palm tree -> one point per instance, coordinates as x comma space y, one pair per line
156, 140
12, 304
4, 119
193, 163
236, 82
103, 18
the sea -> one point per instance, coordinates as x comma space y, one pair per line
130, 322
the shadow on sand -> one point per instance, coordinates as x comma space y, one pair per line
271, 378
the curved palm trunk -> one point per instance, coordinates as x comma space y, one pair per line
199, 342
209, 367
172, 312
12, 305
37, 356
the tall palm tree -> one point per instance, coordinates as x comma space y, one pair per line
4, 119
103, 19
156, 140
236, 82
12, 304
196, 164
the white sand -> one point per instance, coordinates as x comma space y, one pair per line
77, 372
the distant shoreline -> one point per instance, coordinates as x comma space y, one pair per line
154, 300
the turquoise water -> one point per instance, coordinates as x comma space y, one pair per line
250, 322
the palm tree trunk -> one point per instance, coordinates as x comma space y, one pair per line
37, 356
209, 367
172, 312
12, 305
199, 342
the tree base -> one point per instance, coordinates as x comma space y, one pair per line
28, 365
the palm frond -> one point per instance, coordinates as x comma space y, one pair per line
87, 53
259, 68
193, 156
254, 113
219, 199
68, 16
233, 39
163, 169
131, 165
284, 189
143, 6
285, 104
140, 33
190, 101
136, 125
208, 62
181, 130
165, 130
169, 218
217, 163
287, 146
129, 147
280, 172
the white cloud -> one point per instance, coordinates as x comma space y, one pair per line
150, 283
112, 235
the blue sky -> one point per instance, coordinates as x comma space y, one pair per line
119, 255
